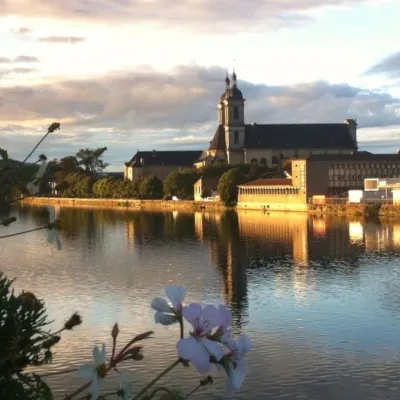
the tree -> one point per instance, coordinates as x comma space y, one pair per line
227, 187
180, 183
151, 187
91, 159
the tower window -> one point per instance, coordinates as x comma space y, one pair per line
235, 137
236, 112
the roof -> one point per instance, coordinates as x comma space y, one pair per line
356, 156
298, 136
232, 94
218, 141
269, 182
174, 158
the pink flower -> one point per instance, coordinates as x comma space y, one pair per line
166, 313
223, 333
236, 364
198, 348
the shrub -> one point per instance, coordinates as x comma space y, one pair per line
227, 187
151, 188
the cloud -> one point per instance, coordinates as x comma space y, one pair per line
61, 39
225, 15
146, 108
5, 60
389, 66
19, 70
26, 59
22, 31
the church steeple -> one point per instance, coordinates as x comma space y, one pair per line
227, 82
234, 79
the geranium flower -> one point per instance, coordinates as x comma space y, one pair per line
236, 365
125, 389
53, 233
223, 333
198, 348
96, 371
166, 313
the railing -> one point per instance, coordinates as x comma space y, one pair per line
345, 200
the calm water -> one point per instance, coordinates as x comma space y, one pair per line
319, 298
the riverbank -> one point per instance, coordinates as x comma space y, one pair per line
149, 205
344, 210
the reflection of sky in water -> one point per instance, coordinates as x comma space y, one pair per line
320, 304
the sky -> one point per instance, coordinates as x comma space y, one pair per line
147, 74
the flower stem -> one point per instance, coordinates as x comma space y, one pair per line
37, 145
194, 390
161, 389
182, 328
80, 390
66, 371
157, 378
21, 233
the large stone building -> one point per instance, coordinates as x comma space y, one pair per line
327, 175
237, 142
159, 163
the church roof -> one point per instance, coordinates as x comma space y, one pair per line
232, 94
269, 182
218, 141
177, 158
298, 136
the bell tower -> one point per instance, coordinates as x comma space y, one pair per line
234, 123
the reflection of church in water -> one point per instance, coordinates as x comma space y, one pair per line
295, 248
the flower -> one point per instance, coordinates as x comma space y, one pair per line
125, 388
33, 187
236, 367
223, 333
198, 348
97, 371
168, 314
53, 233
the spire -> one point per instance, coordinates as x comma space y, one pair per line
227, 81
234, 78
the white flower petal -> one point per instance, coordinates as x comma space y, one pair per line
193, 313
214, 348
160, 304
86, 371
58, 241
176, 295
41, 170
188, 348
95, 387
237, 376
51, 237
202, 361
244, 345
164, 319
99, 356
212, 315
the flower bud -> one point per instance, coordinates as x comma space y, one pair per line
53, 127
29, 300
42, 157
51, 342
115, 331
75, 320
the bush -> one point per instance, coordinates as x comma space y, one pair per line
151, 188
180, 183
227, 187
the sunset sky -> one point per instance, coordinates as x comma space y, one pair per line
147, 74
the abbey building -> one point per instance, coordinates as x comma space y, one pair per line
236, 142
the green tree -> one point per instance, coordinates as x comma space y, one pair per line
92, 159
103, 188
151, 187
227, 186
180, 183
83, 188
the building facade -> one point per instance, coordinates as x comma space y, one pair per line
326, 175
159, 163
236, 142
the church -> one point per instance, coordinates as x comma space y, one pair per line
236, 142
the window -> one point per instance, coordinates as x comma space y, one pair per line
235, 137
236, 112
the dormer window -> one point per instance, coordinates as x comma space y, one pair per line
236, 112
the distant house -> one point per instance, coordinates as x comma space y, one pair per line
159, 163
205, 186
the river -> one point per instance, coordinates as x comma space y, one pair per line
319, 298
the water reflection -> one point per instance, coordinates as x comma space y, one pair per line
319, 296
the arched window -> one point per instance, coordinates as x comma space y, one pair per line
236, 112
235, 137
